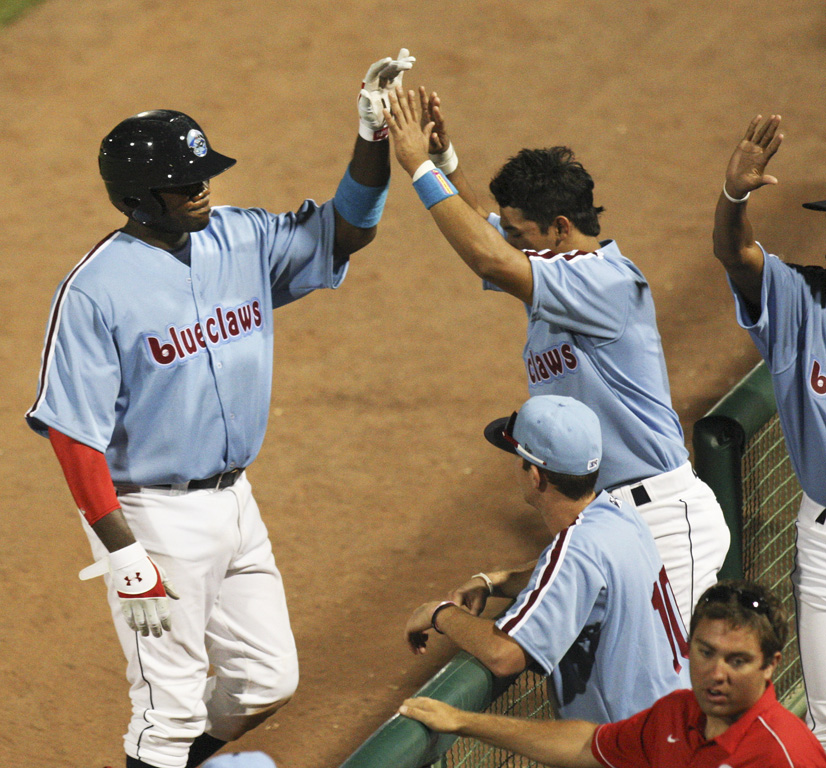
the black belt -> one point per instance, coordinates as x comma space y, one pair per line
640, 495
215, 483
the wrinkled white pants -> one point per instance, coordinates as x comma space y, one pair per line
809, 581
232, 616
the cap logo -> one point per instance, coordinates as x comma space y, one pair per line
593, 464
196, 141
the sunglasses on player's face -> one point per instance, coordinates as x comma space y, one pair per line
749, 600
507, 433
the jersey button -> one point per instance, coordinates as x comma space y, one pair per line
219, 365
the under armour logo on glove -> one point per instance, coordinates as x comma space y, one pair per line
145, 606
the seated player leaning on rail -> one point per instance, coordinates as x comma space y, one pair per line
597, 612
783, 307
592, 328
731, 717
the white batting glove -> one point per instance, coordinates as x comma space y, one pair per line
142, 586
382, 76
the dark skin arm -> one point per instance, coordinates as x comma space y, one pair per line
370, 166
733, 237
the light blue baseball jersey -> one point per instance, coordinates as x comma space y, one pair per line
598, 615
592, 335
166, 368
790, 334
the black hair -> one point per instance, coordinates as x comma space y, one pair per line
573, 486
546, 183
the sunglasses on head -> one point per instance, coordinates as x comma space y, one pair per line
747, 599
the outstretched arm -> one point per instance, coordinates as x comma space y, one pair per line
359, 200
734, 243
563, 743
442, 152
481, 246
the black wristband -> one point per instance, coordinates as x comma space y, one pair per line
438, 608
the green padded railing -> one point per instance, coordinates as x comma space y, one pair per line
740, 452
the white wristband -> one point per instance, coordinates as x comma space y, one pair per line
486, 579
735, 199
427, 165
446, 161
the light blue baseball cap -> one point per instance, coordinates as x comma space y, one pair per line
560, 434
240, 760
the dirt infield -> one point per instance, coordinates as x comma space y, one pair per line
374, 480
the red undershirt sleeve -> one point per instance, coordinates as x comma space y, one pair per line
87, 475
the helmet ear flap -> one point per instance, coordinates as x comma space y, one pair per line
145, 209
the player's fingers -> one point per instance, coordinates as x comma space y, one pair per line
153, 621
126, 609
755, 121
762, 130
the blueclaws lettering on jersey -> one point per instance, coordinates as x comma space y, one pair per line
222, 326
201, 347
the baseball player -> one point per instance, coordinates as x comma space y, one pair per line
592, 331
730, 719
154, 391
783, 307
600, 576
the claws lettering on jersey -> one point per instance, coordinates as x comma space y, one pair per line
222, 326
552, 363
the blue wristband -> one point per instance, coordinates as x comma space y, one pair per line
362, 206
432, 185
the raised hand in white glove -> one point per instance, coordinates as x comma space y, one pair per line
142, 587
382, 76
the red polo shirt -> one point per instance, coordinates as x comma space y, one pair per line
671, 734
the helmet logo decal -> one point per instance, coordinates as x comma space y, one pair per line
196, 142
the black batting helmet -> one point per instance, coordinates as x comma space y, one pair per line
154, 150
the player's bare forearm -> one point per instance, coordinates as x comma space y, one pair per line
113, 531
563, 743
480, 637
371, 162
511, 581
735, 248
482, 248
370, 166
480, 245
734, 243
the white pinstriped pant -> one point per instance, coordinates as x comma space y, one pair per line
232, 615
809, 581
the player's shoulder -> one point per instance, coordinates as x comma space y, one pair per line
228, 216
612, 530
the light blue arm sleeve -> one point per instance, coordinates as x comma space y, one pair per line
782, 305
80, 387
301, 252
547, 624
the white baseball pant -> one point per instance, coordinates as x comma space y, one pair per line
689, 529
232, 615
809, 582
